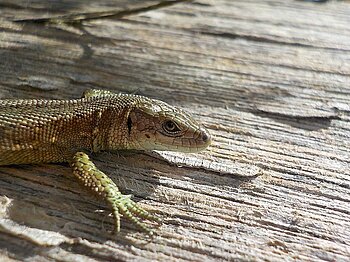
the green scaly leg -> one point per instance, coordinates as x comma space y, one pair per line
94, 179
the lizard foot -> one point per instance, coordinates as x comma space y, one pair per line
90, 176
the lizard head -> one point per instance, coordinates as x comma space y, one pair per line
155, 125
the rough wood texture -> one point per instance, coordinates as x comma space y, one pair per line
271, 81
39, 10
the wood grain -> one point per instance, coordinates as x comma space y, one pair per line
270, 81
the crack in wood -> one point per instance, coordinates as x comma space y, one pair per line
261, 39
111, 14
310, 123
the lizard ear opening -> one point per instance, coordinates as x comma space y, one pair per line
129, 123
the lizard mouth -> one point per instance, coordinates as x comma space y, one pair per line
197, 144
190, 143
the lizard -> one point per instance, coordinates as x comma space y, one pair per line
34, 131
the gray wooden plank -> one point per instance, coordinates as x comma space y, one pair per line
41, 11
268, 78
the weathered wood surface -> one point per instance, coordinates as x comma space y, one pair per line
270, 79
23, 10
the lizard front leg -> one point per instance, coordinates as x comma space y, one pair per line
98, 182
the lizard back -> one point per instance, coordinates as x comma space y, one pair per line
37, 131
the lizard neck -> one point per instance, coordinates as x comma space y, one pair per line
110, 131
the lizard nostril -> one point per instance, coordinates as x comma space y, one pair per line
205, 136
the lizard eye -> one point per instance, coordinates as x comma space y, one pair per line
170, 127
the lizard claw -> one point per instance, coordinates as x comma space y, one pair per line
123, 205
101, 184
